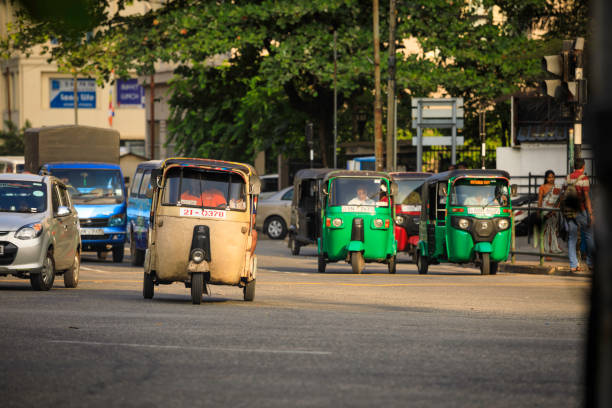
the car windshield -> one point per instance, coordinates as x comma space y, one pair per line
189, 187
22, 196
409, 191
92, 186
359, 191
481, 193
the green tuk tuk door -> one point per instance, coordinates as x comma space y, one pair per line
357, 222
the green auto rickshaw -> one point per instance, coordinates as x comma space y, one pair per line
466, 216
357, 219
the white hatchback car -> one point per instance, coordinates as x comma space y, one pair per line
274, 213
39, 231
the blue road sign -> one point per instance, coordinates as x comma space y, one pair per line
62, 93
129, 92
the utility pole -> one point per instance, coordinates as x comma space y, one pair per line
378, 142
152, 124
8, 94
483, 134
579, 94
76, 98
391, 90
335, 103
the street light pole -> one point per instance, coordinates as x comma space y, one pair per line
378, 142
391, 90
335, 103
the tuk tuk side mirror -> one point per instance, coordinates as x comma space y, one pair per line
324, 189
156, 174
394, 188
513, 190
255, 189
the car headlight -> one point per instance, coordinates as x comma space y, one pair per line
337, 222
399, 219
116, 220
503, 224
463, 223
197, 255
378, 223
29, 231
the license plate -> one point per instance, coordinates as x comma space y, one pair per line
358, 209
92, 231
204, 213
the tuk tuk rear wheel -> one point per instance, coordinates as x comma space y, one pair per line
422, 263
391, 264
321, 264
197, 288
357, 262
485, 265
147, 286
249, 291
295, 247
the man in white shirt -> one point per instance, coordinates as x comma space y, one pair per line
362, 198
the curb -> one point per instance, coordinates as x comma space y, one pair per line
536, 269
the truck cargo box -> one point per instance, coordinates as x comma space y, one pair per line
70, 143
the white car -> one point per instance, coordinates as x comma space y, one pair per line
274, 213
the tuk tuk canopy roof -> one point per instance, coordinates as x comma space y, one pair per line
447, 175
254, 181
404, 175
312, 173
357, 173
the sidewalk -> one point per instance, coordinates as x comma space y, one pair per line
531, 264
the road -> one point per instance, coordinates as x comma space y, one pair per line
451, 338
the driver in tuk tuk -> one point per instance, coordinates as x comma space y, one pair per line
480, 196
361, 198
210, 197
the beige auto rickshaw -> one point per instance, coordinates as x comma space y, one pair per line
202, 226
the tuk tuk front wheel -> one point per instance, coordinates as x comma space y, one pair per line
357, 262
485, 265
249, 291
147, 286
494, 268
321, 264
422, 263
295, 246
197, 288
391, 264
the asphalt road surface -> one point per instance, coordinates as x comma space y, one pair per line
451, 338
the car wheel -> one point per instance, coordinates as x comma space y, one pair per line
422, 263
71, 276
357, 262
485, 265
391, 264
44, 279
276, 228
197, 287
249, 291
118, 252
147, 286
137, 254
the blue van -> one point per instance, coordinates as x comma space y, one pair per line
138, 209
98, 194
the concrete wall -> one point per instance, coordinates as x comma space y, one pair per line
534, 158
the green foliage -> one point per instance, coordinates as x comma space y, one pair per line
11, 139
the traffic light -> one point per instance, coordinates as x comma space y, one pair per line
568, 82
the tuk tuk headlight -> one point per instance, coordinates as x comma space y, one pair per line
337, 222
503, 224
463, 223
378, 223
197, 255
399, 219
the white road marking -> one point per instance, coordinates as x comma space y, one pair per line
169, 347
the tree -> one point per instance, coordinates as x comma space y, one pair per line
11, 139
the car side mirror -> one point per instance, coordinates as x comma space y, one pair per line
63, 211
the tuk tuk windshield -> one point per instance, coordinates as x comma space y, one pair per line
359, 191
479, 192
192, 187
409, 191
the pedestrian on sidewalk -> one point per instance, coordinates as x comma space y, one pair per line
548, 197
576, 207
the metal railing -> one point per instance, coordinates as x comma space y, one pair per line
541, 254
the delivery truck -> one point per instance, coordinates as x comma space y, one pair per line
86, 159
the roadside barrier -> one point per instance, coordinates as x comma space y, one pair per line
541, 254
